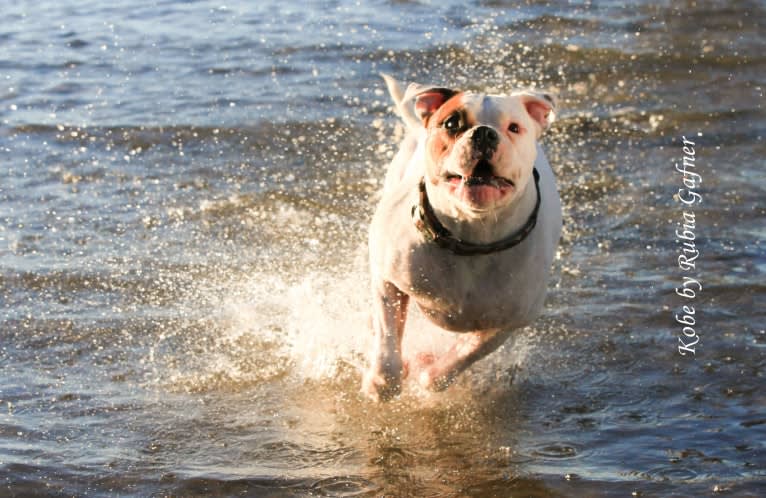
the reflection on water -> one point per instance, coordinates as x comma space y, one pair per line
184, 196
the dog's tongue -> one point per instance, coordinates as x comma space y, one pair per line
481, 187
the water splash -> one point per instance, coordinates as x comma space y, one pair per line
314, 327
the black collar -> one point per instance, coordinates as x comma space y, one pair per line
430, 226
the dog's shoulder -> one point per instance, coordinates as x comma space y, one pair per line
393, 236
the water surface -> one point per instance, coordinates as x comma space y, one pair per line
184, 194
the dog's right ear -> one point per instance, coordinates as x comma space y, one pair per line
419, 102
429, 101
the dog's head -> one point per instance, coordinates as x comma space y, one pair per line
481, 149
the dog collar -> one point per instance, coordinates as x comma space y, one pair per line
429, 225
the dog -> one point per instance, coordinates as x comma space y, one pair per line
466, 228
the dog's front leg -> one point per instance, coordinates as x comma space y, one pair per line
437, 373
383, 378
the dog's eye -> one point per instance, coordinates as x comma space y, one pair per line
453, 124
514, 128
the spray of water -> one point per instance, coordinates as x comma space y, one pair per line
267, 327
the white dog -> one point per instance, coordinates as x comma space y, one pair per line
467, 228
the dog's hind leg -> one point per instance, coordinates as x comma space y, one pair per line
437, 373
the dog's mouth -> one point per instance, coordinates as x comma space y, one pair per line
481, 176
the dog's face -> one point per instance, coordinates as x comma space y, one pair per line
480, 149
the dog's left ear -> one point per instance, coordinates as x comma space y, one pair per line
541, 108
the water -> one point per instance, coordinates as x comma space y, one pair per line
184, 194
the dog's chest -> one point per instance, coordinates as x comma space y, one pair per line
464, 293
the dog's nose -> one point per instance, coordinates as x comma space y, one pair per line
485, 140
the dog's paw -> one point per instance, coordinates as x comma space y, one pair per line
381, 385
430, 375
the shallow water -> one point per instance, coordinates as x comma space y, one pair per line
184, 194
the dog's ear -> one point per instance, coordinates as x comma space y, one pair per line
419, 102
541, 108
428, 101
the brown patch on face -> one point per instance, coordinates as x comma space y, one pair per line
441, 140
446, 110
